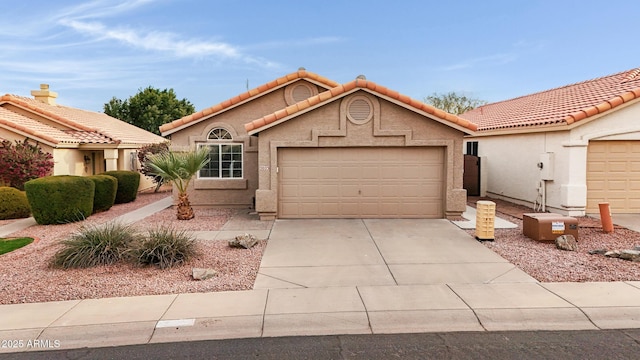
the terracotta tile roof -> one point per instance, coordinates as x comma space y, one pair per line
560, 106
340, 90
246, 96
31, 127
86, 126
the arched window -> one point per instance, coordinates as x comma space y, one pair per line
225, 156
219, 134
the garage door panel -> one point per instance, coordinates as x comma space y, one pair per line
613, 175
368, 182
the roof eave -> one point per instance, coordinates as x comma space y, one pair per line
41, 138
298, 113
431, 116
241, 99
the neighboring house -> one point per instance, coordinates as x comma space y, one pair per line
81, 142
303, 146
568, 148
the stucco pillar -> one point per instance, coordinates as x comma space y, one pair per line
111, 159
573, 193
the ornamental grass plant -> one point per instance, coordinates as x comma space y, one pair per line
96, 245
164, 247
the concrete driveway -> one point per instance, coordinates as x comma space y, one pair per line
358, 252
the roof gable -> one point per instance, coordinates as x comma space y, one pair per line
79, 126
247, 96
561, 106
340, 91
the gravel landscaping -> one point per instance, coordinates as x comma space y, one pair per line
25, 274
547, 264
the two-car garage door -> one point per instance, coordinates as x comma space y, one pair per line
613, 175
366, 182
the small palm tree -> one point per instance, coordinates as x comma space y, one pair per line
179, 168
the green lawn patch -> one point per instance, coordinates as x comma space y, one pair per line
8, 245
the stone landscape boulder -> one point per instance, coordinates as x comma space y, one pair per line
203, 274
567, 242
246, 241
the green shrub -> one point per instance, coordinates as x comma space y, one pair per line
96, 245
128, 184
105, 193
164, 247
60, 199
13, 204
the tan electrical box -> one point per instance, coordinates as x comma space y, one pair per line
548, 226
485, 220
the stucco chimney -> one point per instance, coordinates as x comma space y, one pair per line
45, 95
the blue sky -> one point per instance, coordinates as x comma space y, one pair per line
209, 50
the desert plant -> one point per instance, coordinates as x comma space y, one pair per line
60, 199
143, 155
13, 203
22, 162
179, 168
96, 245
105, 192
164, 247
128, 184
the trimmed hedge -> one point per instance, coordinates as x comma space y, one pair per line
128, 184
13, 204
60, 199
105, 194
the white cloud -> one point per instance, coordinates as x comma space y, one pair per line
497, 59
154, 41
81, 20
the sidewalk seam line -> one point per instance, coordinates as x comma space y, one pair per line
264, 312
574, 305
163, 314
366, 311
469, 306
503, 274
283, 280
379, 252
65, 313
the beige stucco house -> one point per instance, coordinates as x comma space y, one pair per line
81, 142
567, 149
303, 146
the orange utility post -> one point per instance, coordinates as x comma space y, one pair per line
605, 217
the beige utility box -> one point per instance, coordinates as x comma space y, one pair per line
485, 220
548, 226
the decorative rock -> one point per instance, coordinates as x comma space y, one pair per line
567, 242
598, 252
633, 255
203, 274
613, 253
246, 241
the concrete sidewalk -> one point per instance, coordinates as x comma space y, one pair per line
320, 311
321, 277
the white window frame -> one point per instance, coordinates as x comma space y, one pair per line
220, 137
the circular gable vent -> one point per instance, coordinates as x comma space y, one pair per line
360, 110
300, 93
